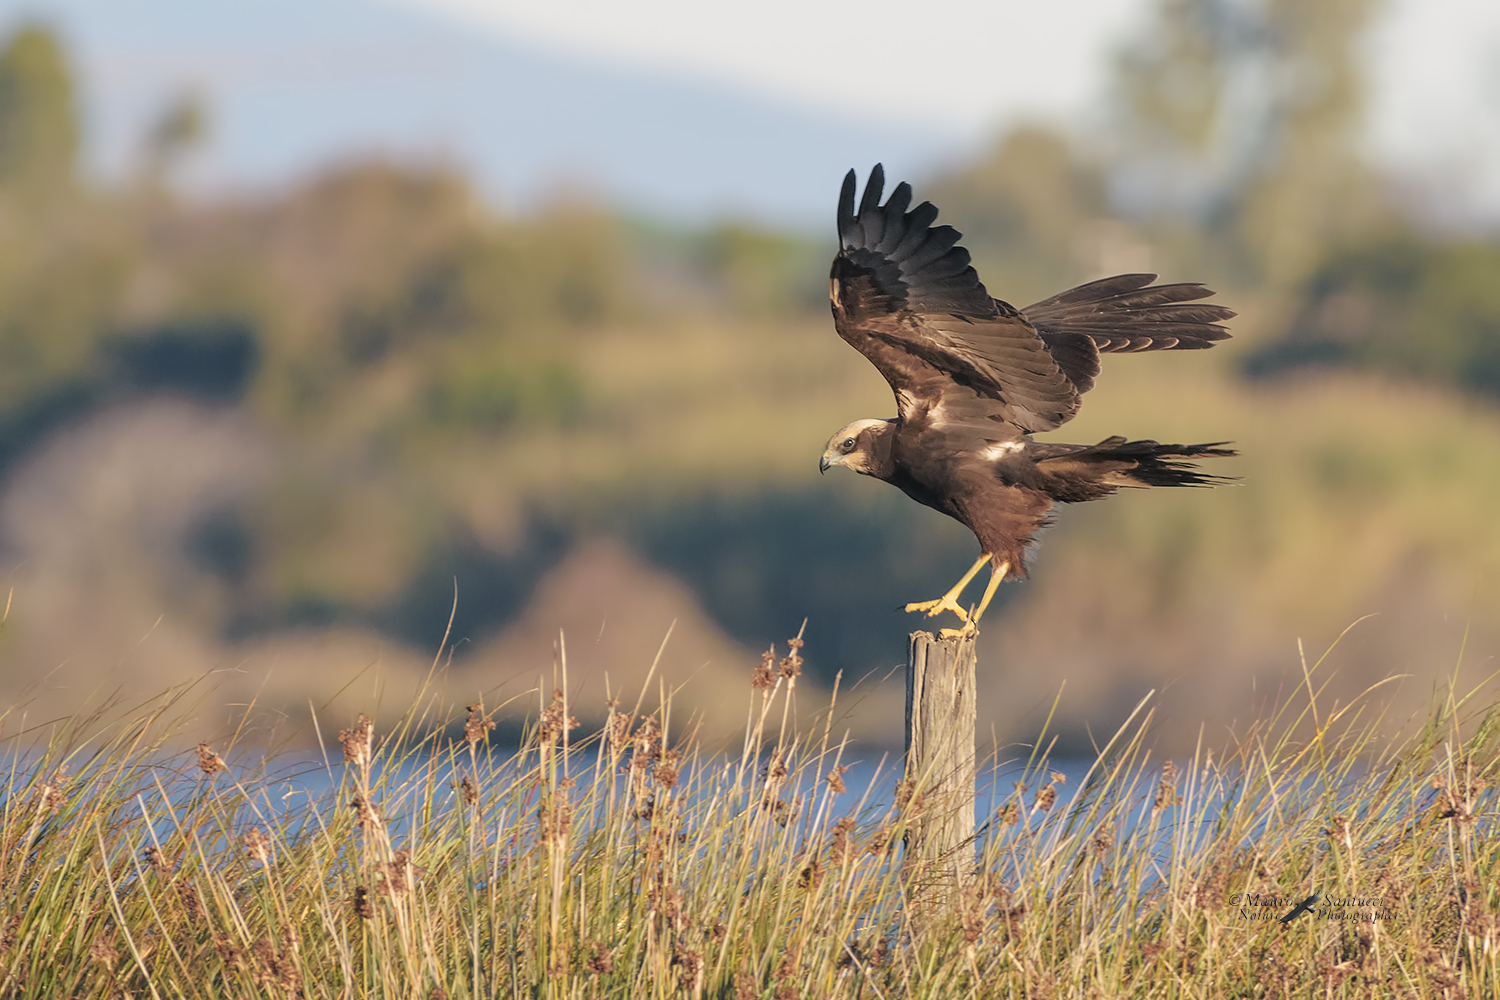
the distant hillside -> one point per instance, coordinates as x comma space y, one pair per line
330, 435
1406, 306
293, 87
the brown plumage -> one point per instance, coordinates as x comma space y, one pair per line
975, 378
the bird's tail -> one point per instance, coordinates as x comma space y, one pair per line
1163, 465
1098, 470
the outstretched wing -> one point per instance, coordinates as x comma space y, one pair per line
905, 296
1124, 314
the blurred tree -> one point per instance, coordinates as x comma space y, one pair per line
399, 325
762, 273
38, 120
1241, 119
62, 262
391, 275
181, 126
1406, 307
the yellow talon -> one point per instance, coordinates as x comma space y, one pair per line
968, 630
937, 607
949, 601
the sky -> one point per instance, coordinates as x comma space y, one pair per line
1434, 70
692, 108
973, 65
962, 64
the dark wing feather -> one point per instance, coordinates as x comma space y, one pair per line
905, 295
1124, 314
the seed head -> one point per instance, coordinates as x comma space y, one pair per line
191, 904
209, 762
785, 974
278, 969
229, 953
601, 962
666, 900
1046, 796
619, 731
907, 795
790, 666
1439, 968
1166, 792
257, 845
689, 965
647, 743
775, 768
843, 845
556, 721
103, 952
49, 794
972, 919
359, 742
882, 841
478, 725
157, 859
400, 873
368, 813
555, 818
763, 678
666, 771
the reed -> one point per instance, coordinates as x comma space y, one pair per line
633, 863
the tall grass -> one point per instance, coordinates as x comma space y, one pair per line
633, 863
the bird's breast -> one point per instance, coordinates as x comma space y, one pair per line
925, 467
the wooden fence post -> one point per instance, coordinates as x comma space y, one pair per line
940, 717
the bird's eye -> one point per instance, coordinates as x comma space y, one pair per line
847, 446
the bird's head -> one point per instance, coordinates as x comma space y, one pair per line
862, 446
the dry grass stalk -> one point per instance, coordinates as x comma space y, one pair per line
762, 874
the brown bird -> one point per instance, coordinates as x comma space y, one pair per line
975, 378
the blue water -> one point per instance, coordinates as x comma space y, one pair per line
294, 783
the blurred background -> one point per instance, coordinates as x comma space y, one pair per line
324, 321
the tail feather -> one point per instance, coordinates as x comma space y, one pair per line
1162, 465
1097, 471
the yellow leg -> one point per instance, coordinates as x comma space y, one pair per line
971, 622
949, 601
996, 575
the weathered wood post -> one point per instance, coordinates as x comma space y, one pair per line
940, 716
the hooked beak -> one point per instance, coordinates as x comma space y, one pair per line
824, 463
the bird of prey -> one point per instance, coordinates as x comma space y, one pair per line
975, 378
